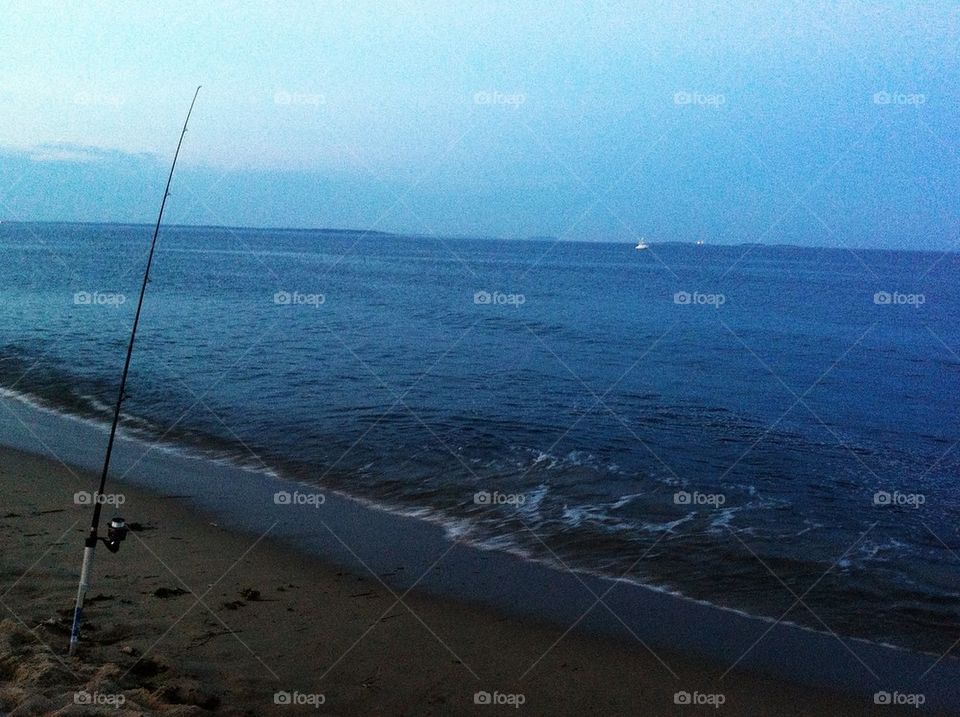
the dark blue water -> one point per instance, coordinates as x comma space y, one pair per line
779, 435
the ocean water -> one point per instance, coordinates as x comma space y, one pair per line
770, 429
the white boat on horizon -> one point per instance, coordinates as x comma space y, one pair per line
642, 245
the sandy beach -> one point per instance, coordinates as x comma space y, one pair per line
192, 619
479, 359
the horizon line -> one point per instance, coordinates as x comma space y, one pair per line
464, 237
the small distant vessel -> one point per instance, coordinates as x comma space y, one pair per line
699, 242
641, 245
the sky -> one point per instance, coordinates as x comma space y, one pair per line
813, 123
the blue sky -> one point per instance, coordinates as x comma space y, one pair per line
802, 122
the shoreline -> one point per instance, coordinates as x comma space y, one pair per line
378, 234
195, 455
484, 588
271, 620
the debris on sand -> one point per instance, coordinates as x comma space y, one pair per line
164, 593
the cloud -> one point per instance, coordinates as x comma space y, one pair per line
59, 154
71, 182
69, 152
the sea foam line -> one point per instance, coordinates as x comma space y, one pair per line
454, 528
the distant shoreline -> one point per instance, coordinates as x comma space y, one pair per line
528, 240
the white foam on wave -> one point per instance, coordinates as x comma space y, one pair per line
137, 430
670, 525
459, 530
721, 521
625, 500
532, 501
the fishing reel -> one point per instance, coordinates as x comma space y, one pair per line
116, 534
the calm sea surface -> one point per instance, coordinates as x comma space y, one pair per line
743, 425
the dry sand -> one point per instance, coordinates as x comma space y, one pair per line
192, 619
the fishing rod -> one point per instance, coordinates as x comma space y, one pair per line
117, 531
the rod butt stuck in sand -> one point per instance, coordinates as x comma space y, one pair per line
118, 528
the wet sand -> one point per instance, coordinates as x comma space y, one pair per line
192, 618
